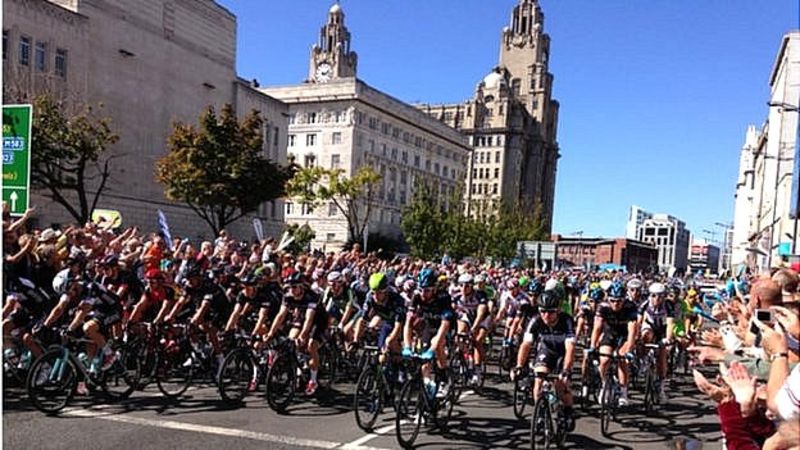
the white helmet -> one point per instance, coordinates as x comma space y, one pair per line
334, 276
465, 279
657, 288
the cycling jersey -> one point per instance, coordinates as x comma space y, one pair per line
466, 308
298, 307
615, 323
551, 346
391, 311
519, 305
336, 304
655, 317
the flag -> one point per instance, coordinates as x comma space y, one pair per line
258, 228
163, 227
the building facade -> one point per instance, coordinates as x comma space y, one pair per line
670, 237
636, 217
764, 232
338, 121
635, 256
704, 257
149, 63
511, 121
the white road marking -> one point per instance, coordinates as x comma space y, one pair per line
381, 431
219, 431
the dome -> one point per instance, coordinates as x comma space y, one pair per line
493, 80
335, 9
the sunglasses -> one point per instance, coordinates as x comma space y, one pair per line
615, 300
548, 311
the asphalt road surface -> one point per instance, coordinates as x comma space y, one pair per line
201, 420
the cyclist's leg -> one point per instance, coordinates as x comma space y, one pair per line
92, 330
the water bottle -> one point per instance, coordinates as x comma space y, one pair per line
11, 356
84, 359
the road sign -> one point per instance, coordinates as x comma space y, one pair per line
17, 121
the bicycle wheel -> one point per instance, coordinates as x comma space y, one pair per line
444, 406
542, 426
327, 367
459, 375
368, 398
607, 405
238, 371
174, 372
649, 393
280, 383
52, 381
148, 360
409, 409
122, 378
522, 392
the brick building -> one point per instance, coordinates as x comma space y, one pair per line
634, 255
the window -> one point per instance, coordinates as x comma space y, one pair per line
385, 128
39, 57
489, 141
312, 117
309, 161
24, 50
404, 157
311, 140
291, 118
371, 146
373, 123
428, 164
275, 136
436, 168
403, 177
394, 153
383, 150
330, 237
497, 173
336, 138
61, 62
332, 210
395, 132
5, 44
289, 208
494, 189
416, 160
515, 85
335, 161
497, 157
292, 140
474, 173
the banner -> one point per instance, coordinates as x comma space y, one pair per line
163, 227
104, 216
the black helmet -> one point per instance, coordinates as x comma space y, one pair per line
111, 260
548, 300
294, 278
249, 280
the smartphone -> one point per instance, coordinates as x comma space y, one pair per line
764, 315
754, 329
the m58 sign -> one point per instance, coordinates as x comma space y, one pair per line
17, 121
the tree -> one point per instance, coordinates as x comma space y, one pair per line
423, 223
218, 169
69, 157
353, 197
303, 235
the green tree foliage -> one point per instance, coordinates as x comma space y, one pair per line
353, 197
303, 235
218, 169
69, 158
492, 230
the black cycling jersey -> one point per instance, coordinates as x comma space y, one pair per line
432, 312
616, 322
392, 310
553, 338
299, 306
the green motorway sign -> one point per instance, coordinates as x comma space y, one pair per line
17, 156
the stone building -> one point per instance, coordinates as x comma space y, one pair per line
765, 232
149, 62
511, 121
338, 121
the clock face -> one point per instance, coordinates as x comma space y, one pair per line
324, 72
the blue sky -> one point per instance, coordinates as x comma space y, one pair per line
655, 94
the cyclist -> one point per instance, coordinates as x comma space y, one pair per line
554, 331
384, 311
308, 321
156, 294
28, 306
429, 317
615, 333
338, 298
473, 319
656, 321
515, 307
634, 291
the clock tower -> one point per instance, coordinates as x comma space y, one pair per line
331, 57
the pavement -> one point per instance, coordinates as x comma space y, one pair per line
200, 420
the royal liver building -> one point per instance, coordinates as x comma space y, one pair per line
511, 121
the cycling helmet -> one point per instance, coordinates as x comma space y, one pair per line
548, 300
63, 279
656, 288
616, 290
523, 281
465, 279
480, 278
249, 280
426, 278
378, 281
334, 276
109, 261
152, 274
535, 287
294, 278
596, 293
635, 284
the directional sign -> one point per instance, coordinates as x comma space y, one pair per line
17, 121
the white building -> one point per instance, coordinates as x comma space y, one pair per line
764, 231
337, 120
670, 237
636, 217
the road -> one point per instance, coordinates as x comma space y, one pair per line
201, 420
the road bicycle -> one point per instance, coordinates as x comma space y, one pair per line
548, 423
462, 363
54, 376
375, 388
418, 403
289, 372
609, 394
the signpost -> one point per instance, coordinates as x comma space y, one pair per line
17, 120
